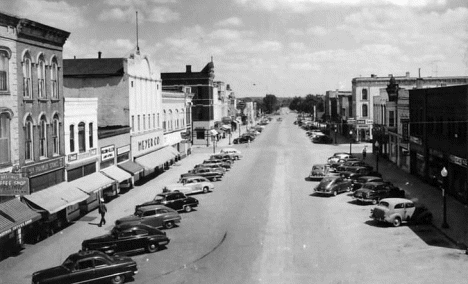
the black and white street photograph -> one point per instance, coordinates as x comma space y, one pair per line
233, 141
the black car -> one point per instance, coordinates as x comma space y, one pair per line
175, 200
243, 139
332, 185
322, 139
357, 184
87, 266
128, 238
375, 191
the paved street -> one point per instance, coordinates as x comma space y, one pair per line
263, 224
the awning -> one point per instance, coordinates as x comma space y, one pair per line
15, 214
173, 151
172, 138
116, 173
131, 167
92, 183
57, 197
155, 159
225, 127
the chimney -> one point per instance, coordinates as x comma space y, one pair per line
74, 57
419, 83
188, 68
407, 74
99, 55
373, 76
390, 75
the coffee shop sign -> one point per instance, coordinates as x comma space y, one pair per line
13, 184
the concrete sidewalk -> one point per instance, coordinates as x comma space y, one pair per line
423, 193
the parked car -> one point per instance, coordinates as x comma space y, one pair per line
158, 216
242, 140
225, 157
175, 200
358, 163
204, 172
249, 135
236, 154
375, 191
319, 171
357, 184
322, 139
212, 166
190, 185
224, 164
398, 210
350, 176
87, 266
128, 238
332, 185
338, 156
354, 169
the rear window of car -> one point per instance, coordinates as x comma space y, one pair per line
384, 203
368, 186
317, 167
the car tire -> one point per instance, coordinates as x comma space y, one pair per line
152, 247
396, 222
335, 193
118, 279
169, 224
206, 189
375, 201
188, 208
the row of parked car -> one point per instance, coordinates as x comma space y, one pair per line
346, 173
100, 259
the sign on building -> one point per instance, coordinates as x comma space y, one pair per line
13, 184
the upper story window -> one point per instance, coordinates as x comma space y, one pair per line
4, 69
81, 137
177, 119
364, 95
365, 110
91, 135
391, 118
5, 138
27, 85
164, 120
28, 139
54, 79
43, 136
170, 126
41, 77
56, 135
72, 138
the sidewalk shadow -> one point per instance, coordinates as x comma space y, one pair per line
431, 236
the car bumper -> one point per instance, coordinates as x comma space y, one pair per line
322, 191
363, 200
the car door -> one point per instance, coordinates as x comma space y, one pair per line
197, 186
409, 210
139, 238
83, 271
150, 218
125, 242
177, 201
101, 267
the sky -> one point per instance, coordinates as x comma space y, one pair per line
283, 47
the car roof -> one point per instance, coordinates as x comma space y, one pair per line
194, 177
377, 182
152, 207
130, 226
371, 177
396, 200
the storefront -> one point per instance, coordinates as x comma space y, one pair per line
16, 221
174, 140
132, 168
124, 180
435, 163
157, 160
80, 165
457, 178
96, 185
44, 174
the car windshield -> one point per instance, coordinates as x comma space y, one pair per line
138, 213
317, 167
158, 198
369, 186
384, 203
68, 263
327, 180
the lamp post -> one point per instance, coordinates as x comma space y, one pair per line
444, 174
229, 137
377, 150
213, 139
350, 140
335, 133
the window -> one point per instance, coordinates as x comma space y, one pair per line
391, 118
4, 138
364, 110
364, 94
90, 135
133, 123
27, 87
43, 137
72, 138
85, 264
138, 122
144, 121
99, 262
41, 78
159, 125
28, 139
164, 120
54, 79
4, 69
56, 135
81, 137
154, 120
149, 121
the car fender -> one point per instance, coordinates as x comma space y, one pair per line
393, 216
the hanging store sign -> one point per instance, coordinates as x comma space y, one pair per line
107, 153
457, 160
13, 184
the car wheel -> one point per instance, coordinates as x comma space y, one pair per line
374, 201
152, 247
205, 189
335, 193
188, 208
118, 279
396, 222
169, 225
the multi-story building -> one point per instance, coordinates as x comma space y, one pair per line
337, 106
202, 86
31, 119
438, 136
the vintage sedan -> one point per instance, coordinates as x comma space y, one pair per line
214, 166
338, 156
373, 192
223, 157
332, 185
236, 154
357, 183
322, 139
204, 172
175, 200
190, 185
88, 266
398, 210
319, 171
128, 238
226, 164
158, 216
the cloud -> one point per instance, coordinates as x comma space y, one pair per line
297, 46
162, 15
230, 22
109, 48
117, 14
136, 3
317, 31
59, 14
295, 32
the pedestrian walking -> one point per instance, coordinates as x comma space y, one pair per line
364, 152
102, 210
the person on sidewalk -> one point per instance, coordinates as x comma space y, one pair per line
102, 210
364, 152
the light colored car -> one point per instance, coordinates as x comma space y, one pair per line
339, 156
155, 215
398, 210
232, 151
190, 185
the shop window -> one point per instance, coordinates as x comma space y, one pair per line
200, 134
56, 135
5, 138
27, 86
43, 137
72, 138
81, 137
123, 157
54, 89
28, 139
41, 78
4, 69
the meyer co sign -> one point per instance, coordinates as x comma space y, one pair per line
13, 184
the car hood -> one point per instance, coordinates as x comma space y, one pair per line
99, 239
364, 190
129, 218
50, 272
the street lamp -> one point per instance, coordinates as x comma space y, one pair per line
350, 140
229, 137
336, 130
444, 174
213, 138
377, 149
